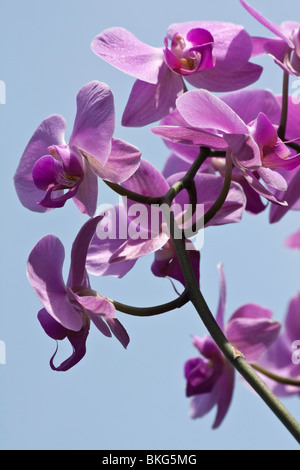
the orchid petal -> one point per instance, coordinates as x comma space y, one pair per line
225, 389
86, 196
123, 161
274, 28
79, 252
252, 331
232, 79
51, 327
204, 110
249, 103
44, 270
123, 50
50, 131
78, 342
149, 102
94, 123
118, 331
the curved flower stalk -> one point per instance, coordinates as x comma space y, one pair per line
255, 148
285, 48
207, 54
51, 172
69, 307
139, 230
210, 378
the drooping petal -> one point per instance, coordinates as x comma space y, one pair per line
94, 123
225, 393
51, 327
123, 50
118, 331
150, 102
78, 343
44, 270
123, 161
50, 131
86, 196
79, 252
292, 320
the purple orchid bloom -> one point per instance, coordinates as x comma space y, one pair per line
211, 55
292, 194
285, 48
293, 241
51, 172
283, 357
69, 308
255, 149
210, 379
141, 236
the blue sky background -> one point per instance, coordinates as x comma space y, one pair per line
117, 399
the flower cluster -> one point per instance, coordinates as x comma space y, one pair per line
230, 153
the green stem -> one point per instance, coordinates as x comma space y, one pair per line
234, 357
284, 106
151, 311
277, 378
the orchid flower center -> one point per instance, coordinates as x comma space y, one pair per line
190, 53
188, 58
62, 169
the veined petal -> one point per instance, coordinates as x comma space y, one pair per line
123, 50
94, 123
118, 331
86, 196
190, 136
123, 161
204, 110
252, 331
225, 392
79, 252
232, 79
273, 178
249, 103
101, 250
149, 102
97, 304
51, 131
44, 270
